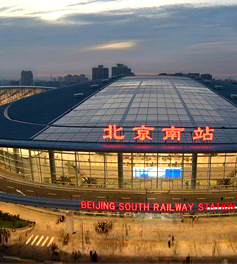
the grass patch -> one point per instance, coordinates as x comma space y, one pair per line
11, 221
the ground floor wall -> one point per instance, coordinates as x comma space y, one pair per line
165, 171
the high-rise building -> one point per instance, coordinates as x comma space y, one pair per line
121, 70
82, 78
100, 73
206, 76
69, 79
27, 78
194, 74
14, 82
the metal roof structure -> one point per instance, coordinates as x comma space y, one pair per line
26, 87
22, 119
159, 102
151, 101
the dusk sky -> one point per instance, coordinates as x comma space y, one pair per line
152, 36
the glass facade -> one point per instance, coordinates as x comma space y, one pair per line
154, 101
8, 95
162, 171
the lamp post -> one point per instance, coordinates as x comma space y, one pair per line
82, 237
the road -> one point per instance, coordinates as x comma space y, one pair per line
28, 189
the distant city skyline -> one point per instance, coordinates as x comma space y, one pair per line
71, 37
89, 74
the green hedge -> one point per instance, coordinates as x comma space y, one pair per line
11, 221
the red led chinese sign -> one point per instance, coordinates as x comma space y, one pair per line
204, 134
112, 132
172, 133
143, 132
157, 207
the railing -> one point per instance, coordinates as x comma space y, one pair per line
114, 185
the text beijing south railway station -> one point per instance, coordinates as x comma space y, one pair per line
157, 207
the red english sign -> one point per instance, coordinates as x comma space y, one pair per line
156, 207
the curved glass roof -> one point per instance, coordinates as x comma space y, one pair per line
153, 101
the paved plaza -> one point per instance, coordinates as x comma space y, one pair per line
145, 239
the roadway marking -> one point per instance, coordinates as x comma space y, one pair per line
51, 193
230, 197
101, 197
39, 240
176, 198
75, 195
125, 198
32, 243
11, 258
29, 239
30, 191
10, 187
50, 242
33, 238
20, 192
200, 198
46, 239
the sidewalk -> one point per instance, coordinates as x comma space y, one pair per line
145, 239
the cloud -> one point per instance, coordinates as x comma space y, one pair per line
108, 18
215, 47
168, 38
113, 46
56, 9
4, 9
81, 3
